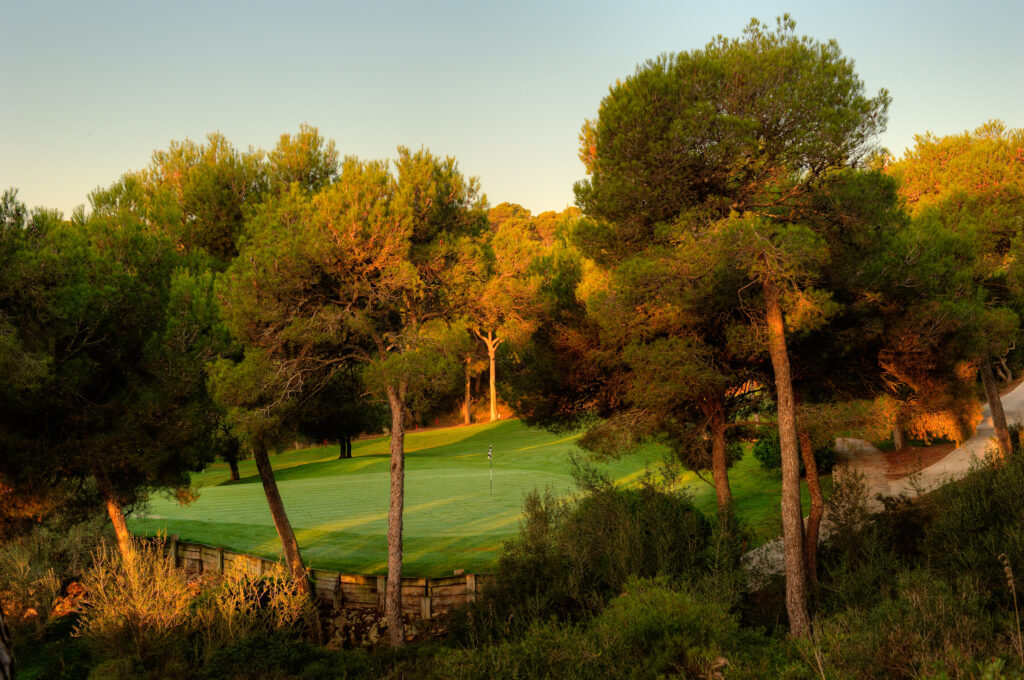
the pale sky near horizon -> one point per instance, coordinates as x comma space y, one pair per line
91, 89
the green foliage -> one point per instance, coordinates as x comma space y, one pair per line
305, 159
688, 133
768, 451
194, 194
278, 656
119, 394
366, 271
570, 557
35, 568
931, 627
977, 519
652, 629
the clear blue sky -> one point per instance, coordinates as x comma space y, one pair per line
90, 89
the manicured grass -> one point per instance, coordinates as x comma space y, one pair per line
452, 519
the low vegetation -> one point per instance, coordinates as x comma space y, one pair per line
610, 583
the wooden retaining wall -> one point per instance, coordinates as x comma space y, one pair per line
422, 597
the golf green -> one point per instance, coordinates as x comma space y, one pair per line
459, 506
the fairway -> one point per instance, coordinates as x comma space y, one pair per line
452, 518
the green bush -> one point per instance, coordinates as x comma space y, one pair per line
930, 628
650, 631
768, 451
976, 520
279, 656
571, 556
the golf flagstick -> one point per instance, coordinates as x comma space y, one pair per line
490, 462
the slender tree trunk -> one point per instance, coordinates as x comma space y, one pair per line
393, 596
467, 403
720, 464
492, 346
995, 405
6, 650
817, 506
899, 437
344, 447
284, 528
233, 464
348, 447
792, 515
116, 513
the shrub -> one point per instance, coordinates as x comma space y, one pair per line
976, 520
135, 608
35, 567
930, 628
768, 452
279, 656
145, 609
570, 557
652, 630
240, 604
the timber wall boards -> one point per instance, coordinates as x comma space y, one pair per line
422, 597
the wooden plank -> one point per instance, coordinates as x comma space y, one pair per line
448, 601
323, 574
381, 592
358, 578
358, 594
447, 581
408, 582
338, 596
425, 610
444, 591
471, 587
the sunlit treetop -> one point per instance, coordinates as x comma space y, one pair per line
744, 124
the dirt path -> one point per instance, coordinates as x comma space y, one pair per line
909, 472
892, 477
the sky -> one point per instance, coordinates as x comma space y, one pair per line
91, 89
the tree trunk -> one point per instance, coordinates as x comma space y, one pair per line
792, 515
344, 447
995, 405
393, 596
116, 513
6, 650
348, 447
233, 464
817, 506
720, 464
492, 346
899, 437
284, 528
467, 403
